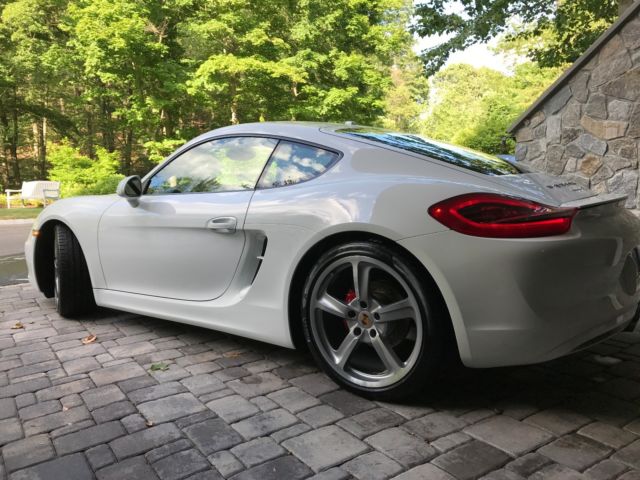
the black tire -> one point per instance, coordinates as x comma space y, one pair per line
431, 358
72, 285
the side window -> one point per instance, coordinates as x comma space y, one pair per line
219, 165
294, 163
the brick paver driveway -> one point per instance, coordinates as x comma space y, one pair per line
232, 408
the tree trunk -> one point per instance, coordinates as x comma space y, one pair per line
36, 145
38, 127
108, 140
234, 103
294, 92
4, 172
4, 121
89, 144
128, 148
13, 145
164, 121
5, 175
43, 142
234, 112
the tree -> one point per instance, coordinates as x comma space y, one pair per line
459, 93
240, 50
474, 106
81, 175
406, 100
304, 60
32, 65
136, 78
562, 29
129, 70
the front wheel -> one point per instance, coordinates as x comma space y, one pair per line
72, 284
371, 323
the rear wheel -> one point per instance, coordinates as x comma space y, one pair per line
72, 285
370, 322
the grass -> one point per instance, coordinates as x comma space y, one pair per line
18, 212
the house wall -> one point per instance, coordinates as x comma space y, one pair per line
590, 128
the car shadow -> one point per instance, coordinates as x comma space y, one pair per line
586, 383
601, 383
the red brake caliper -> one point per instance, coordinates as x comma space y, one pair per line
351, 294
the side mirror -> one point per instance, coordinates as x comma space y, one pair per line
131, 189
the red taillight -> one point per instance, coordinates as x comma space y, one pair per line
498, 216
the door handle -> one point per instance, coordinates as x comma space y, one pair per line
223, 224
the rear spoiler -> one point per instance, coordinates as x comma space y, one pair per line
596, 200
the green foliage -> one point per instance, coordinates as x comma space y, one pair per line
157, 151
556, 32
406, 99
159, 367
92, 89
134, 78
474, 106
16, 212
81, 175
564, 37
311, 60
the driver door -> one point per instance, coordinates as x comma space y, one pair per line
185, 238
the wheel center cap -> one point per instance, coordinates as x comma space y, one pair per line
365, 319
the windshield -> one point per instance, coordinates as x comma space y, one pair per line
459, 156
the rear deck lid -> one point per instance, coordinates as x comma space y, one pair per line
542, 187
554, 190
513, 178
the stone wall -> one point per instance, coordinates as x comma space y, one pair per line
590, 128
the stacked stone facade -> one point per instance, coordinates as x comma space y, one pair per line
589, 125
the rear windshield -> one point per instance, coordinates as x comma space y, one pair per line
459, 156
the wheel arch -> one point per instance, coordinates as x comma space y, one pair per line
43, 256
306, 262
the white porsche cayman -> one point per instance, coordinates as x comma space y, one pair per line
378, 250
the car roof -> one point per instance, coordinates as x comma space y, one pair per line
325, 133
309, 131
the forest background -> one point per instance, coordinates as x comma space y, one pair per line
92, 90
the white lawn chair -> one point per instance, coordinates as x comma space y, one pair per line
38, 190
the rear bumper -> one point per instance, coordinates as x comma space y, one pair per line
522, 301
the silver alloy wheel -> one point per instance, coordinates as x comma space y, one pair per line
367, 323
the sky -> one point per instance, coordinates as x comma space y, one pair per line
479, 55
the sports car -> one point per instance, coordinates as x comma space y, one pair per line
383, 253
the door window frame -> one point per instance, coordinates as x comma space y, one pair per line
147, 178
337, 153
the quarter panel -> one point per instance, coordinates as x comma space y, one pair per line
370, 190
388, 191
519, 301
